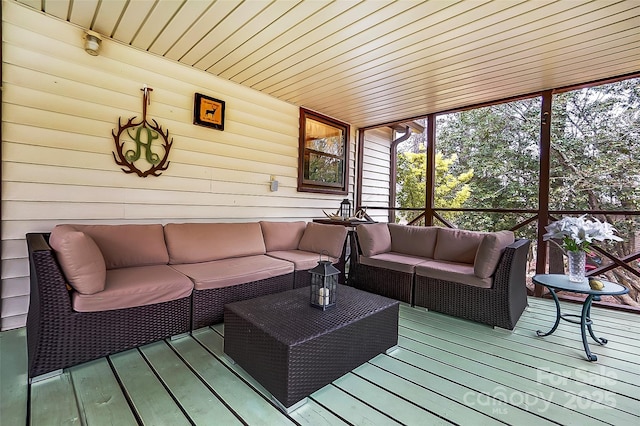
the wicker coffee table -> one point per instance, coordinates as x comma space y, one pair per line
293, 349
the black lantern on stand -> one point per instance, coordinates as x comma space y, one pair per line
345, 209
324, 285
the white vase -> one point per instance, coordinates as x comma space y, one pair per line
577, 263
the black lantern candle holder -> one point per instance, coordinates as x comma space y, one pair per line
324, 285
345, 209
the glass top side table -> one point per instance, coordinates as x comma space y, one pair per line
558, 282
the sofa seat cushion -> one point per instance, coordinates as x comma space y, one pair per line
374, 238
129, 245
234, 271
457, 245
413, 240
204, 242
395, 261
451, 271
282, 235
302, 260
136, 286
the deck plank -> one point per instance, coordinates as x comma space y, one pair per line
214, 342
152, 402
13, 377
599, 385
230, 388
100, 399
201, 405
350, 408
445, 370
387, 402
436, 403
53, 402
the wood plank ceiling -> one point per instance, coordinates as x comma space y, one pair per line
373, 62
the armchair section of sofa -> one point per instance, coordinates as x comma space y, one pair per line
103, 290
226, 262
303, 244
499, 304
474, 275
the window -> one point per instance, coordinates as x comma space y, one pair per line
324, 154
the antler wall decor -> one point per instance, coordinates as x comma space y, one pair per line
144, 133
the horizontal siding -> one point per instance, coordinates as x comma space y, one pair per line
59, 107
375, 171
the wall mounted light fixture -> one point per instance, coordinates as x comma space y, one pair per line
92, 42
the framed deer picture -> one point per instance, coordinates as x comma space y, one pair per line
208, 112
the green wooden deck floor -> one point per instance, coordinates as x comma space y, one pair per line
445, 371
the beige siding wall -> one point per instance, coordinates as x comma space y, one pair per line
59, 108
375, 171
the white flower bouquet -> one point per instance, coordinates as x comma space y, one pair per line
577, 233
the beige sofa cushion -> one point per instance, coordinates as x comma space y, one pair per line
319, 238
413, 240
457, 245
234, 271
451, 271
393, 261
374, 238
282, 235
128, 245
80, 259
204, 242
490, 251
137, 286
302, 260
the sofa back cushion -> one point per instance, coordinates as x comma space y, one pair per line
129, 245
280, 236
457, 245
80, 259
490, 251
319, 238
203, 242
413, 240
374, 238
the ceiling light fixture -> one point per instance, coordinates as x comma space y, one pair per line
92, 42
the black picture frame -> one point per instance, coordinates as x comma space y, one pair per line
208, 112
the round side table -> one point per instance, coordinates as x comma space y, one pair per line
558, 282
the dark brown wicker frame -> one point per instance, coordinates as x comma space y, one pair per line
208, 305
59, 337
499, 306
393, 284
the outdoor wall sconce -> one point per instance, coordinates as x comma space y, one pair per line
92, 42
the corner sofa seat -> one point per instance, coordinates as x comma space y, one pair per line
452, 271
71, 325
303, 244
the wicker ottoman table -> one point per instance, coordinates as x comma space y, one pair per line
293, 349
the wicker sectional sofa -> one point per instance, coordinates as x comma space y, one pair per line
101, 289
478, 276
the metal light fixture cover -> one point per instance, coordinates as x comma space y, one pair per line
345, 209
324, 285
92, 42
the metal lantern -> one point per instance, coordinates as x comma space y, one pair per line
324, 285
345, 209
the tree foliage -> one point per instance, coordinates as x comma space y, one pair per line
450, 189
595, 163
